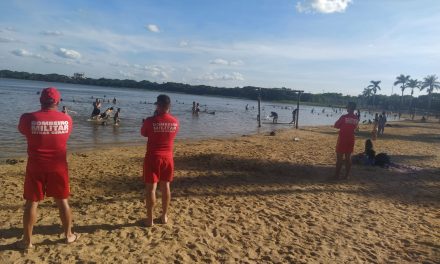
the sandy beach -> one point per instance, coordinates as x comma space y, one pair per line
250, 199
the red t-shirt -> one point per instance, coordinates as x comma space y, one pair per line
47, 132
161, 131
347, 125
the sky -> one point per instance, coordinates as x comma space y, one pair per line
313, 45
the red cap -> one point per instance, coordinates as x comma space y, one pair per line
50, 95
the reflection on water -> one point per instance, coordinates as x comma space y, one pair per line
230, 118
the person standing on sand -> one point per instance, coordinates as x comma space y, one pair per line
381, 124
160, 130
375, 127
347, 125
47, 132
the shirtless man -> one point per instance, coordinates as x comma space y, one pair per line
47, 132
160, 130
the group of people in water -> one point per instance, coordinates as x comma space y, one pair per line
106, 115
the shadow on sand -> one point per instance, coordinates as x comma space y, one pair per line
216, 174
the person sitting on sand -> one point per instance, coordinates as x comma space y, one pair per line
116, 118
96, 108
347, 125
158, 163
367, 157
274, 115
47, 132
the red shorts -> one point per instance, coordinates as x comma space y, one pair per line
158, 168
345, 146
51, 184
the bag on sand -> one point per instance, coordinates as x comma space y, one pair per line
382, 160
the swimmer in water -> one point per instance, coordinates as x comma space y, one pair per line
96, 108
294, 113
274, 115
116, 118
106, 114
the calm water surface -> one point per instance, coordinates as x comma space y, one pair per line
231, 118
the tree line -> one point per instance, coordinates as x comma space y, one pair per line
367, 99
429, 84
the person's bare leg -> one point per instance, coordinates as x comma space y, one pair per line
166, 199
347, 165
66, 219
338, 165
150, 201
29, 219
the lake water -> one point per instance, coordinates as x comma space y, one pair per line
230, 119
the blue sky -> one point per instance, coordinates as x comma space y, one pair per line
314, 45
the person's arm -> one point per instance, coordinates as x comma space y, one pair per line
23, 125
338, 123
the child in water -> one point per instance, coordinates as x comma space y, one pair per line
116, 117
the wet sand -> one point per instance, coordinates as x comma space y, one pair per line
251, 199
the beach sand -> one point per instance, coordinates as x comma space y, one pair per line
251, 199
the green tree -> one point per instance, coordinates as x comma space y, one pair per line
366, 94
374, 87
431, 83
412, 84
402, 80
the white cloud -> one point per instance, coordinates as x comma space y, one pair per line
11, 29
157, 71
119, 64
220, 61
236, 63
322, 6
51, 33
183, 43
25, 53
126, 74
152, 28
6, 40
68, 54
213, 76
48, 47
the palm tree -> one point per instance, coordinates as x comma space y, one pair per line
402, 80
374, 87
412, 83
367, 93
431, 83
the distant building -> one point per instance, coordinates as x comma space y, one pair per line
78, 75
